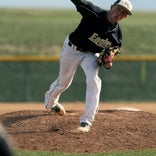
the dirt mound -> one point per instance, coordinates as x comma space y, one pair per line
113, 130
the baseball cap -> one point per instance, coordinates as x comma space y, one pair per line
125, 4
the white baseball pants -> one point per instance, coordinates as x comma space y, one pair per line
69, 61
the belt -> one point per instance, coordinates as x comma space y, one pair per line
70, 44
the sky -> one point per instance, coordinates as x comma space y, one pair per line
138, 5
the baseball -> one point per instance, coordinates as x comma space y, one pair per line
108, 65
108, 62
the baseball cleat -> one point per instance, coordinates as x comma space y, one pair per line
59, 109
84, 127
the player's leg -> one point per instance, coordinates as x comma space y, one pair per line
68, 64
93, 89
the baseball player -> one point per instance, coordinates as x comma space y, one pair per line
98, 33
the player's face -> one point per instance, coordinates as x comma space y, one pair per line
116, 13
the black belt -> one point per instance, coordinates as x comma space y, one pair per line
70, 44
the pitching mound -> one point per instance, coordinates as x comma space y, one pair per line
113, 130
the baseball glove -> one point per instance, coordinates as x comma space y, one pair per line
106, 57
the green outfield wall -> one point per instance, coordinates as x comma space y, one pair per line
26, 81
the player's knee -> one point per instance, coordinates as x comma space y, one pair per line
94, 82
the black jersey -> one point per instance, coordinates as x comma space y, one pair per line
95, 32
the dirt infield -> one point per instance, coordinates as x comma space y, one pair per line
31, 127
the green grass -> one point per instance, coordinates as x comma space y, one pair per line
139, 32
24, 31
151, 152
34, 31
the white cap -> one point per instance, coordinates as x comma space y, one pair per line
126, 4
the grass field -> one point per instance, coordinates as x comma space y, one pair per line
135, 153
43, 31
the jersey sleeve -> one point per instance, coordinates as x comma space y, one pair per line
86, 8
